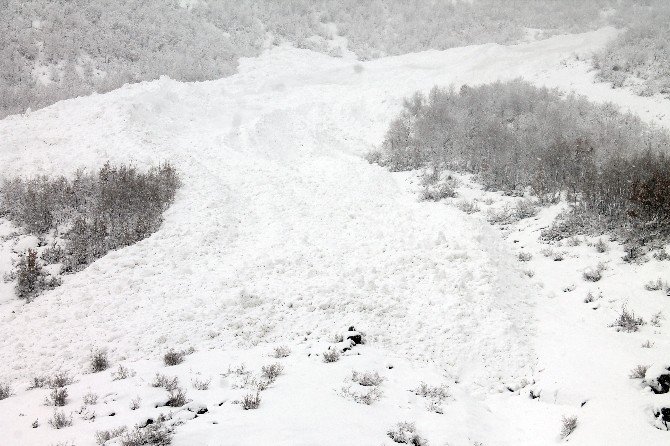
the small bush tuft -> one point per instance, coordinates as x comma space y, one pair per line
281, 352
91, 399
405, 433
627, 322
201, 384
367, 379
60, 420
251, 401
57, 397
638, 372
525, 256
5, 391
102, 437
655, 285
163, 381
122, 373
60, 379
271, 372
331, 356
601, 246
568, 426
177, 398
594, 274
155, 434
173, 357
99, 361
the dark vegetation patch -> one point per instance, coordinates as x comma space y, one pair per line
86, 216
611, 168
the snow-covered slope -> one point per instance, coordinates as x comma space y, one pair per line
282, 233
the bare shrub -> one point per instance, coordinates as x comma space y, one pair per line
163, 381
135, 403
594, 274
173, 357
122, 373
405, 433
5, 391
59, 420
568, 426
525, 256
60, 379
467, 206
281, 352
101, 437
634, 254
367, 379
438, 191
525, 208
627, 322
638, 372
271, 372
201, 384
177, 398
99, 361
647, 344
331, 356
601, 246
57, 397
655, 285
31, 280
656, 318
112, 208
368, 397
155, 434
91, 399
251, 401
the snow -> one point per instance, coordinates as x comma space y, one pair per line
283, 235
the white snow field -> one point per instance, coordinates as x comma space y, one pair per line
282, 234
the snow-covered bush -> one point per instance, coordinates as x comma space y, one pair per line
31, 279
594, 274
251, 401
101, 437
121, 373
655, 285
331, 356
201, 384
638, 372
467, 206
176, 398
5, 391
516, 137
568, 426
112, 208
281, 352
59, 420
271, 372
154, 434
368, 396
639, 57
59, 379
627, 322
173, 357
405, 433
367, 379
525, 256
163, 381
57, 397
99, 360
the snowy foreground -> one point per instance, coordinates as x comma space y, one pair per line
282, 235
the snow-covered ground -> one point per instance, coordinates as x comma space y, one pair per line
283, 235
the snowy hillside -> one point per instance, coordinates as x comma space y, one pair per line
283, 235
